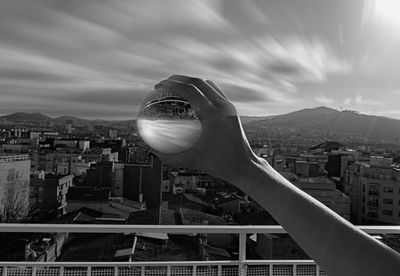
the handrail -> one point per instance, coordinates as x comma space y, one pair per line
178, 229
163, 263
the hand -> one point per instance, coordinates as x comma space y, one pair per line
222, 147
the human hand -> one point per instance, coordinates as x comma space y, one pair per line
222, 148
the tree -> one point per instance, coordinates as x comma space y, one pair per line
15, 204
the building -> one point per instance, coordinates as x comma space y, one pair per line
14, 187
374, 188
324, 190
49, 191
100, 174
306, 169
137, 182
74, 165
143, 181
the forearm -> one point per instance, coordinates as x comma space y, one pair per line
334, 243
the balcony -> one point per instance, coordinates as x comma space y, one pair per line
242, 266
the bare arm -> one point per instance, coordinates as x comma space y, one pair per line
223, 151
334, 243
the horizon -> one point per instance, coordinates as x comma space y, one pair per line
100, 60
53, 116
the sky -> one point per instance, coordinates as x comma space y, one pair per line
99, 59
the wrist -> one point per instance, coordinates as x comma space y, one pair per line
244, 172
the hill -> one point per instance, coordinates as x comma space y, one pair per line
333, 121
22, 117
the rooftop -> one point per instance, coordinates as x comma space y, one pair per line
13, 158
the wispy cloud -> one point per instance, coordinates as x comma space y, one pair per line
324, 99
110, 54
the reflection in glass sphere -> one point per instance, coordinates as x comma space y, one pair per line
167, 123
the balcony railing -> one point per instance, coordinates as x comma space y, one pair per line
243, 266
13, 158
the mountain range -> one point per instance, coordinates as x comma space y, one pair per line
320, 119
330, 120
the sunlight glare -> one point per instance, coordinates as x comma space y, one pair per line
387, 11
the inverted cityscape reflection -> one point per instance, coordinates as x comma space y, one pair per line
168, 123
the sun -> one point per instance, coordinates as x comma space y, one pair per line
387, 11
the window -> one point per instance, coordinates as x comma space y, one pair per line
388, 189
373, 202
388, 212
388, 201
372, 214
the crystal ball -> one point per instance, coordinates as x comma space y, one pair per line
168, 123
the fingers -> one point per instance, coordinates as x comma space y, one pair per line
189, 92
209, 91
212, 84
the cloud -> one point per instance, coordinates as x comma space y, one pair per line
115, 97
394, 92
360, 100
324, 99
299, 59
110, 54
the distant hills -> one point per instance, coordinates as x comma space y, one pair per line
333, 121
21, 118
320, 119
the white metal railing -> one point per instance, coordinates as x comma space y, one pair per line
203, 268
206, 268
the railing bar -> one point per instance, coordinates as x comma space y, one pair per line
178, 229
5, 270
164, 263
106, 228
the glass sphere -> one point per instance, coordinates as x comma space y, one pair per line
168, 123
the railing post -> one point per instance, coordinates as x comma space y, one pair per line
61, 271
219, 273
5, 270
168, 270
242, 247
194, 271
242, 253
142, 270
271, 269
317, 270
89, 270
294, 269
115, 270
34, 271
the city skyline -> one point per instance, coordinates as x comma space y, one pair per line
100, 59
